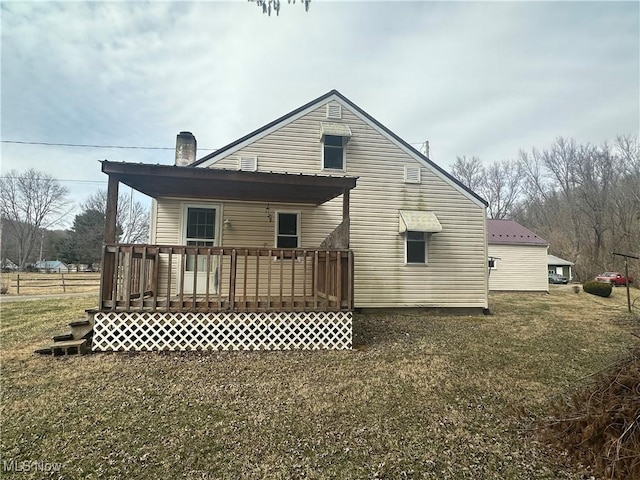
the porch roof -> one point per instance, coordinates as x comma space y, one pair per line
172, 181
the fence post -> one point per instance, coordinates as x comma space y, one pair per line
18, 284
64, 289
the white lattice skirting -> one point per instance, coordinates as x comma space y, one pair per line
137, 331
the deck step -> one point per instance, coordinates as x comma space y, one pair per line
63, 337
79, 323
63, 347
81, 328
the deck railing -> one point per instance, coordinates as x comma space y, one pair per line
224, 279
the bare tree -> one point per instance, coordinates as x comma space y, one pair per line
132, 219
268, 5
502, 188
29, 202
470, 172
627, 147
500, 184
584, 200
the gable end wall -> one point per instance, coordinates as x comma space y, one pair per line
456, 273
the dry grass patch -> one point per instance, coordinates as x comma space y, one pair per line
49, 283
419, 397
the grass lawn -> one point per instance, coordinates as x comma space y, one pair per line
49, 283
420, 396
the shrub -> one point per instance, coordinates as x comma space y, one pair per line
598, 288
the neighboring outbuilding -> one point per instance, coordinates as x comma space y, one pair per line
51, 266
272, 241
560, 266
8, 266
517, 258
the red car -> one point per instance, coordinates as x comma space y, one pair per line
614, 278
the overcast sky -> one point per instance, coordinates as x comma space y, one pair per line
483, 79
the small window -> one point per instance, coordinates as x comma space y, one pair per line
333, 152
287, 230
416, 247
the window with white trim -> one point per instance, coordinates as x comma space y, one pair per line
200, 226
333, 152
416, 247
287, 229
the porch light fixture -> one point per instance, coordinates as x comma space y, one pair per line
227, 223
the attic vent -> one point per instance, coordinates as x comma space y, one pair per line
334, 110
412, 174
248, 164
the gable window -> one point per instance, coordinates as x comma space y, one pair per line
333, 152
416, 247
334, 138
287, 230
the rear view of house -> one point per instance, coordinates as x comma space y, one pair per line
273, 240
517, 258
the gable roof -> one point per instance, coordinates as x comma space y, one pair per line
511, 233
8, 264
50, 264
553, 260
334, 95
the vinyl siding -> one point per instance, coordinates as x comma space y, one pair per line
520, 268
455, 275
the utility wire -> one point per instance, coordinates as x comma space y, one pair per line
81, 145
18, 177
52, 144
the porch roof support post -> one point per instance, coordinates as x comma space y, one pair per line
345, 212
112, 210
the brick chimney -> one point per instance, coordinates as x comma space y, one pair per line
185, 149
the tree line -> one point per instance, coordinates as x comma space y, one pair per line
583, 199
33, 203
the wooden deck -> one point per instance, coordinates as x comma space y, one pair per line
160, 278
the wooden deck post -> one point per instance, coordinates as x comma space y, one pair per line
345, 211
109, 258
112, 210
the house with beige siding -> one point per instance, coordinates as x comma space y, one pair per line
517, 258
272, 241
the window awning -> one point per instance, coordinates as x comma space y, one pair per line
418, 221
335, 129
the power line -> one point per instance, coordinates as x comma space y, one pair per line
51, 144
132, 147
71, 180
83, 145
